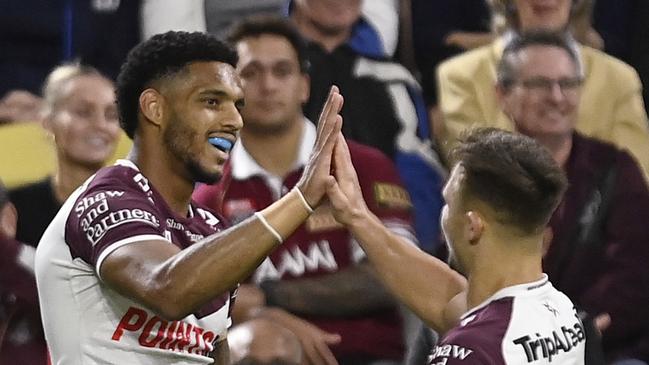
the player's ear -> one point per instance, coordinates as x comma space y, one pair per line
152, 106
475, 226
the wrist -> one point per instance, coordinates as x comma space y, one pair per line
309, 208
359, 219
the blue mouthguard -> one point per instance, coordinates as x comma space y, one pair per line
221, 143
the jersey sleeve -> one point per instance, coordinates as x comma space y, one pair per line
109, 215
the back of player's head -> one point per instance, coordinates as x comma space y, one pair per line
508, 66
256, 26
59, 76
162, 56
513, 175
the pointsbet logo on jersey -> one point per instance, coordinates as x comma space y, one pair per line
153, 331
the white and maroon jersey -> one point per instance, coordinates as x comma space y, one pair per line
321, 245
85, 321
530, 323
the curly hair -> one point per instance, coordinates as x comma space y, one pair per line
162, 56
513, 174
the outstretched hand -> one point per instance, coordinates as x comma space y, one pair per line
317, 171
343, 190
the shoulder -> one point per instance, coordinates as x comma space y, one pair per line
479, 336
600, 65
469, 62
383, 69
361, 153
372, 164
588, 149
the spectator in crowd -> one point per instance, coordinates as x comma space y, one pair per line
129, 253
611, 106
20, 106
261, 341
598, 237
384, 107
81, 115
20, 321
336, 291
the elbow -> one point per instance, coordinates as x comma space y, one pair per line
167, 300
171, 311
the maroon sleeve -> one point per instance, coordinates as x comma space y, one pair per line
110, 214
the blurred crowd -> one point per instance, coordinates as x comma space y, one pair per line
415, 74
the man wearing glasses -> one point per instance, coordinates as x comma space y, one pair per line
598, 237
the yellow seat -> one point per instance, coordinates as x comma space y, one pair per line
27, 153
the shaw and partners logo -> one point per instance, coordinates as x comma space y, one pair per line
444, 352
97, 220
547, 346
153, 331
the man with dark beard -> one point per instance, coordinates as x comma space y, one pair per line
318, 283
131, 271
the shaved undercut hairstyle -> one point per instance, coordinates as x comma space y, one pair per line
512, 174
163, 56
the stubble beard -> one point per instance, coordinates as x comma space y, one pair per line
177, 140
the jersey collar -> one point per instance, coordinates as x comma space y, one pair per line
244, 165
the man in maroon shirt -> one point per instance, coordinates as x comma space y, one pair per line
598, 242
319, 275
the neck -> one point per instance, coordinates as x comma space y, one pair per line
329, 40
275, 153
559, 147
519, 262
176, 189
68, 177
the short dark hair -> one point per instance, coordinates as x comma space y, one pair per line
258, 25
513, 174
163, 55
507, 67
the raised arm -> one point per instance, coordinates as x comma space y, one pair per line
175, 283
422, 282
